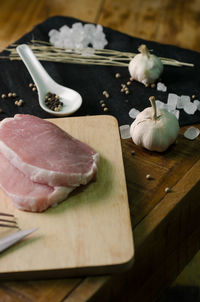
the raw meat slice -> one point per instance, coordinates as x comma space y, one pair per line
46, 153
25, 194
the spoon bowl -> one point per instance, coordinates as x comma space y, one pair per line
70, 98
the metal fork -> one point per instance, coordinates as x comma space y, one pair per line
9, 221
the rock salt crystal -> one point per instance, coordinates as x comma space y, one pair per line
185, 98
161, 87
172, 100
125, 131
160, 104
179, 104
175, 112
182, 101
78, 36
87, 52
197, 103
191, 133
133, 113
190, 108
170, 106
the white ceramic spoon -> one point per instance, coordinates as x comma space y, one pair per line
71, 99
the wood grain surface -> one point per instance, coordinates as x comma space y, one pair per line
166, 226
90, 232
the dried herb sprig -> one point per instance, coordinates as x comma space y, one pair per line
44, 51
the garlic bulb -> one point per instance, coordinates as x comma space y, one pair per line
145, 67
154, 129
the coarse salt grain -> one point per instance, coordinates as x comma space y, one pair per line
179, 104
197, 103
79, 36
182, 101
191, 133
190, 108
161, 87
185, 98
160, 104
172, 100
125, 131
175, 112
133, 113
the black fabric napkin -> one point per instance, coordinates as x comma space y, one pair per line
91, 80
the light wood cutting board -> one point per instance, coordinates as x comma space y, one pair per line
90, 232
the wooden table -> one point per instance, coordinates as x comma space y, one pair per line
166, 226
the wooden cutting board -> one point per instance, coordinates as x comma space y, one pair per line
90, 232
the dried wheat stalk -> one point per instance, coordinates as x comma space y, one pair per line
44, 51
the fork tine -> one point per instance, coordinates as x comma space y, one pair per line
7, 222
8, 226
6, 214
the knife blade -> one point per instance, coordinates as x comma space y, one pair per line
11, 239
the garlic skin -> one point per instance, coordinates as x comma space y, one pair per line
145, 68
154, 129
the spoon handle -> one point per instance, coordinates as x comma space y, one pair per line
36, 70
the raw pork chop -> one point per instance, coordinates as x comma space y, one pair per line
45, 153
25, 194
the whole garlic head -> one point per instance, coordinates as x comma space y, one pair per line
145, 67
154, 129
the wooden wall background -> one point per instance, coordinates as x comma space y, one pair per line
169, 21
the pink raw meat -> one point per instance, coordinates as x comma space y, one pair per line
45, 153
25, 194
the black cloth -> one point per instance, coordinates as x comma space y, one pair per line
91, 80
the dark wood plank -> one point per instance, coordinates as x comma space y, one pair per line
165, 168
40, 291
